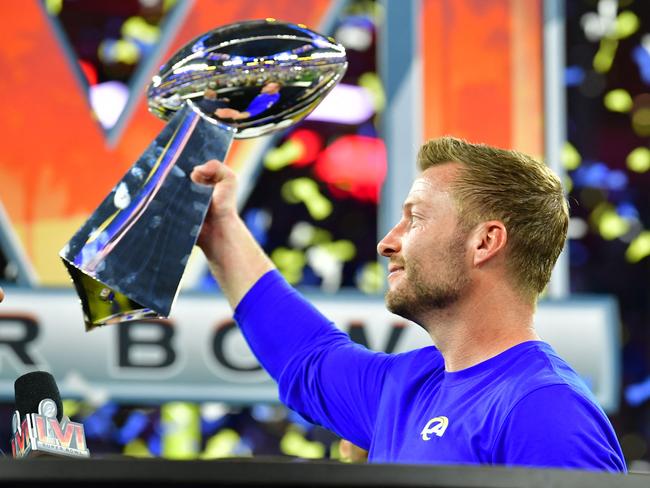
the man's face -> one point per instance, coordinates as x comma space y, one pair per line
427, 269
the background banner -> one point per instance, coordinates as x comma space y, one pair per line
199, 354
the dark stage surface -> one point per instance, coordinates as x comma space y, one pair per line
271, 472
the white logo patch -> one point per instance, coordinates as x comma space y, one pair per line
436, 425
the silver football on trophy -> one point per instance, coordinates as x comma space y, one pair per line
255, 77
238, 81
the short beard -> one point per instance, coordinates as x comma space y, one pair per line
421, 299
418, 297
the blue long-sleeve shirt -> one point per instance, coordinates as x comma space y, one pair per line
523, 407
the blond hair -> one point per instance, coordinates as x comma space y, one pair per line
509, 186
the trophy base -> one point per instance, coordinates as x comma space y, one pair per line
102, 305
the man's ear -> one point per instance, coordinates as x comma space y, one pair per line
488, 240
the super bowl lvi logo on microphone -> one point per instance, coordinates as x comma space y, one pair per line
45, 432
41, 433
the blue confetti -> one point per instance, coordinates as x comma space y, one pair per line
132, 428
257, 222
155, 444
627, 210
99, 424
638, 393
641, 57
574, 75
592, 175
617, 180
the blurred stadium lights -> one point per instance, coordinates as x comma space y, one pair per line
114, 48
356, 100
639, 160
108, 100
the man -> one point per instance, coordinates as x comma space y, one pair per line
268, 96
2, 294
480, 232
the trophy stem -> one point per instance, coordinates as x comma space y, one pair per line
127, 260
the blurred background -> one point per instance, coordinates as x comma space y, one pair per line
565, 81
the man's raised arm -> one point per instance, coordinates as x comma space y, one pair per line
320, 372
235, 258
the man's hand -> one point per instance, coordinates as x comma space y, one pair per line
351, 453
231, 113
224, 198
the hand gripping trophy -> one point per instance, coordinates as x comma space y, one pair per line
238, 81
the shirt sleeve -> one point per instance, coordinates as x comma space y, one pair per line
555, 426
321, 373
262, 102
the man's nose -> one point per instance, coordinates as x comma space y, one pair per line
391, 243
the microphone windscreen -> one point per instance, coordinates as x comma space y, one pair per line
33, 387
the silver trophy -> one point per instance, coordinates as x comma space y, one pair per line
238, 81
